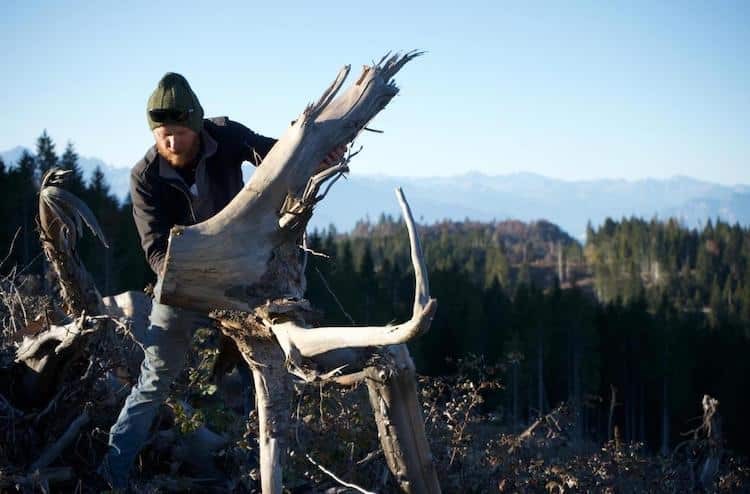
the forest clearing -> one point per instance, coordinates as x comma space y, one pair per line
539, 364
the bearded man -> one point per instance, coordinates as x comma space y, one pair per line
191, 172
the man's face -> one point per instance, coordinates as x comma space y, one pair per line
177, 144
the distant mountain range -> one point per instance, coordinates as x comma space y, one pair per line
522, 196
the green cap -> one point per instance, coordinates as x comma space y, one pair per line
175, 104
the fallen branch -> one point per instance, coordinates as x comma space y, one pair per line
41, 476
334, 477
59, 446
549, 420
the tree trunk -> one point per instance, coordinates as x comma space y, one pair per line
664, 418
540, 371
612, 404
272, 400
515, 396
398, 416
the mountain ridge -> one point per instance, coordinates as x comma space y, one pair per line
524, 196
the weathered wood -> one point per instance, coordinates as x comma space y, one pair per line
61, 215
242, 256
273, 393
42, 361
55, 449
400, 424
272, 400
297, 340
36, 478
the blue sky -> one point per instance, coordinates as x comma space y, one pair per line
579, 90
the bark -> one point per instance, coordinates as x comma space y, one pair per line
400, 424
272, 398
42, 362
51, 453
612, 405
61, 215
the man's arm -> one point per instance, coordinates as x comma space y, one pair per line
152, 227
254, 146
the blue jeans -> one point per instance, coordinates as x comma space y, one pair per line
166, 343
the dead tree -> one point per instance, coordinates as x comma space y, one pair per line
43, 361
704, 451
246, 265
246, 268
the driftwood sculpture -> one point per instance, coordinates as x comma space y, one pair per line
246, 266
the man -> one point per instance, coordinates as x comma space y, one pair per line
190, 174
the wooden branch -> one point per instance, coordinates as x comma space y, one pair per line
296, 339
33, 351
336, 478
51, 453
41, 476
272, 399
549, 420
60, 226
398, 416
311, 342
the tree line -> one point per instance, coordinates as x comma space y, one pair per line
696, 270
659, 354
648, 312
119, 268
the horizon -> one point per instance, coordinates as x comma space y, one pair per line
468, 172
524, 196
580, 92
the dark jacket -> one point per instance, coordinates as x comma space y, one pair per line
161, 199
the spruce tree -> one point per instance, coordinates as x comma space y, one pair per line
22, 197
69, 161
715, 302
45, 153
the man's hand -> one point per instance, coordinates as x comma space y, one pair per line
331, 159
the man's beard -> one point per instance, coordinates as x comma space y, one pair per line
178, 159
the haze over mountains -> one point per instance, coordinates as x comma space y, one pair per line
522, 196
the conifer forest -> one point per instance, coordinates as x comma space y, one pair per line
615, 363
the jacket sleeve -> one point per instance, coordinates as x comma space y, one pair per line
253, 147
152, 226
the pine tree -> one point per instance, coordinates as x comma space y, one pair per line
727, 296
45, 153
716, 302
6, 235
69, 161
22, 197
98, 184
367, 286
